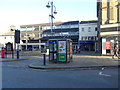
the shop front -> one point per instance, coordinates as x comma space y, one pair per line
87, 45
108, 44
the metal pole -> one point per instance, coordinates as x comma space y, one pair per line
17, 51
52, 18
12, 53
26, 38
99, 29
44, 61
39, 40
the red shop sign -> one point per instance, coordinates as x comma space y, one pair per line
107, 45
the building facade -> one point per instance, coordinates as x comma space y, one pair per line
6, 37
68, 30
31, 35
109, 18
88, 35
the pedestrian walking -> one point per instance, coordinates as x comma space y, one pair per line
116, 52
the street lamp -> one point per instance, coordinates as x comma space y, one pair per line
50, 5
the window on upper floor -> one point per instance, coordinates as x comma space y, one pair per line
58, 27
57, 34
118, 13
36, 34
23, 29
74, 26
44, 28
77, 33
111, 13
65, 26
29, 29
36, 28
71, 33
82, 29
95, 28
22, 35
65, 33
40, 27
45, 35
89, 29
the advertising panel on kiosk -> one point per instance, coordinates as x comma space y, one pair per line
62, 50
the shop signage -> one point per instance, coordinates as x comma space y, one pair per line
52, 41
87, 42
107, 45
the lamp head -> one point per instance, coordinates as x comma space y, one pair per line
48, 6
55, 12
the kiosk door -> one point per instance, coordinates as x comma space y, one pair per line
53, 51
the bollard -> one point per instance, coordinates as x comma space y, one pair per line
18, 54
44, 61
12, 54
2, 53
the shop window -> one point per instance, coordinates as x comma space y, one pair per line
92, 38
84, 38
89, 38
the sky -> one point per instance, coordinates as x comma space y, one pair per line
24, 12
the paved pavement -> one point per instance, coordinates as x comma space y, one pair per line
79, 61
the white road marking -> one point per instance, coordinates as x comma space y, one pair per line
100, 73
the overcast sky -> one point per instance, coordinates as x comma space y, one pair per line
22, 12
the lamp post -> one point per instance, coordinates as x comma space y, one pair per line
53, 11
99, 46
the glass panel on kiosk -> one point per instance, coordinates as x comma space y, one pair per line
43, 49
53, 50
71, 51
62, 51
68, 50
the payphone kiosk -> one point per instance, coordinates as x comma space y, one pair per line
60, 50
